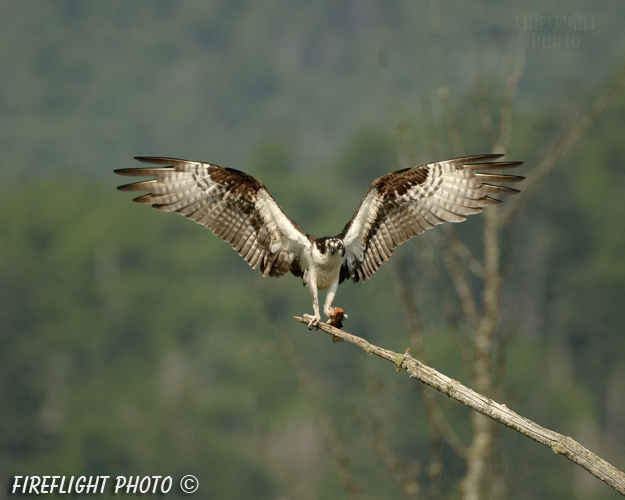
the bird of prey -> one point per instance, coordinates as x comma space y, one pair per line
397, 206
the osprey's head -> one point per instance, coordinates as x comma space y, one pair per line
332, 245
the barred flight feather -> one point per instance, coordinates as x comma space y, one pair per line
403, 204
227, 202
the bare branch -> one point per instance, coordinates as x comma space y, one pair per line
482, 441
459, 280
498, 483
558, 443
479, 449
462, 252
492, 285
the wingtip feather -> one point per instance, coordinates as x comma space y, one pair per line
125, 187
159, 160
491, 188
497, 165
505, 178
472, 160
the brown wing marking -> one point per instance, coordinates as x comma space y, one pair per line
403, 204
234, 205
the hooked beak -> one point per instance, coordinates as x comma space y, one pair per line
333, 250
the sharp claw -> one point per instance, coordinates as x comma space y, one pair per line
315, 320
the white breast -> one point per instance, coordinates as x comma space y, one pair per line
326, 267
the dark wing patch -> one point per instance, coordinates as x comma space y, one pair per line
234, 205
405, 203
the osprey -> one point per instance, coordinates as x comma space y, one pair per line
397, 206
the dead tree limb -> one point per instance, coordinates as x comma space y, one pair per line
558, 443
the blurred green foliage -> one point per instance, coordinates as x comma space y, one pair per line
135, 343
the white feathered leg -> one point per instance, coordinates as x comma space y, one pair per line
327, 307
312, 284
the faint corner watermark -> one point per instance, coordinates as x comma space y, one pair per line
556, 32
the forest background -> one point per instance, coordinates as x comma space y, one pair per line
136, 343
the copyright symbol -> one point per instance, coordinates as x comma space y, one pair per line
189, 484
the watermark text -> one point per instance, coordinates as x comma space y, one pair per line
556, 32
45, 485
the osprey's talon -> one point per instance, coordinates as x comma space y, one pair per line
315, 319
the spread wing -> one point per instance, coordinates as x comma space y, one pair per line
403, 204
234, 205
